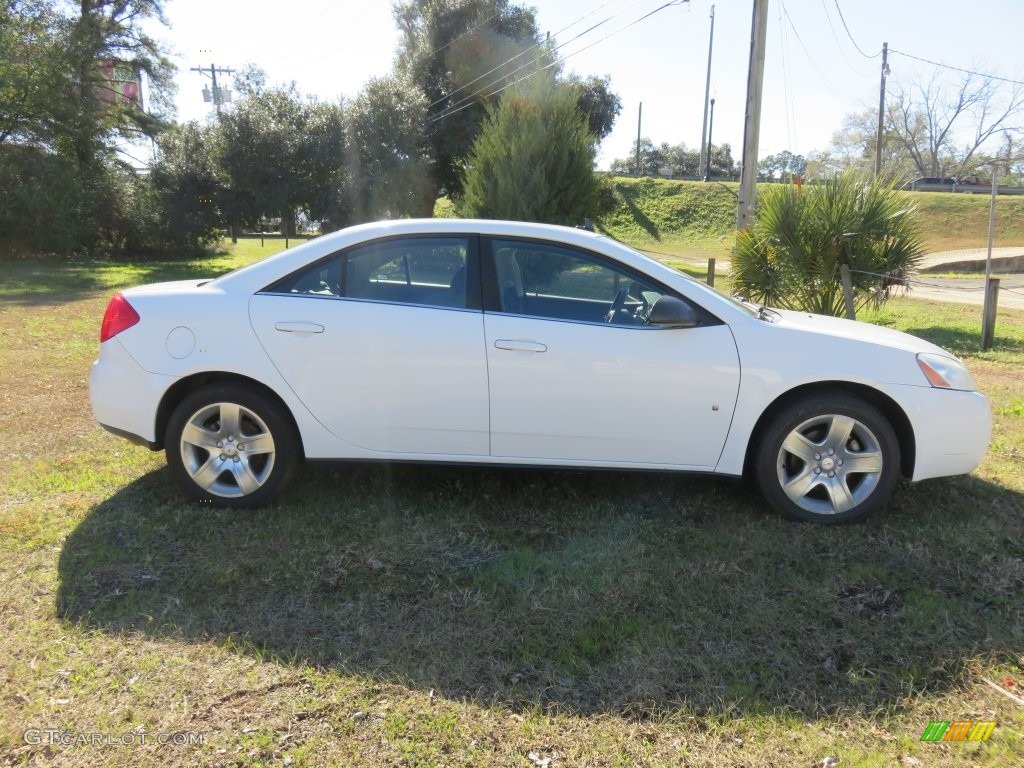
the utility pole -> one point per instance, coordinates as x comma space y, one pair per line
639, 117
218, 96
702, 166
711, 125
881, 110
752, 124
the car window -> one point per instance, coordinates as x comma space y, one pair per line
544, 280
428, 270
410, 271
322, 279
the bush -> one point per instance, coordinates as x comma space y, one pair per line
791, 257
41, 203
533, 159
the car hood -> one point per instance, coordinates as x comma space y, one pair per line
855, 331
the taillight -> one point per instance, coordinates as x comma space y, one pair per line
120, 316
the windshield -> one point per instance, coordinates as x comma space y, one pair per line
746, 306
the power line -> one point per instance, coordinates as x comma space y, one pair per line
468, 99
908, 281
810, 58
310, 48
282, 43
313, 50
957, 69
626, 26
843, 19
467, 32
787, 90
835, 35
523, 53
142, 163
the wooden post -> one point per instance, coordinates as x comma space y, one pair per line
711, 271
988, 321
844, 277
988, 312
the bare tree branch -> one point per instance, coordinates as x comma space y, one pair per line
929, 119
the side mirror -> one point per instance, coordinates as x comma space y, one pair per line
670, 312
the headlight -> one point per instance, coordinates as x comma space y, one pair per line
945, 372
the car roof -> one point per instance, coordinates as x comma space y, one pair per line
255, 276
287, 260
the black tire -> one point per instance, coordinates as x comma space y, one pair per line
800, 478
212, 461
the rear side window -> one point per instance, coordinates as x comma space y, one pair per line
429, 271
415, 271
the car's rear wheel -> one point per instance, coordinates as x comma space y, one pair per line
231, 446
828, 459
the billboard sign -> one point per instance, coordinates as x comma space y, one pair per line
122, 84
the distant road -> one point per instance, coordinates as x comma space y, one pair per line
969, 290
973, 259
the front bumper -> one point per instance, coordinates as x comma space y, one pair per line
952, 429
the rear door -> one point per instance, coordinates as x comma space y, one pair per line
384, 344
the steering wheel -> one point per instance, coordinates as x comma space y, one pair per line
645, 308
617, 304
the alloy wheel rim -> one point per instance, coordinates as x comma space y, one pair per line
829, 464
227, 450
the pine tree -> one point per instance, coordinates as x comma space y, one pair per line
534, 158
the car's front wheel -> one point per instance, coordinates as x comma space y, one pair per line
828, 459
231, 446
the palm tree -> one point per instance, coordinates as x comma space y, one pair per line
792, 256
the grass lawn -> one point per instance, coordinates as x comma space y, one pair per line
464, 617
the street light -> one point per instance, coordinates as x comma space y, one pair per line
711, 125
881, 109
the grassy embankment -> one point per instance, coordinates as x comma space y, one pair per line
684, 223
444, 616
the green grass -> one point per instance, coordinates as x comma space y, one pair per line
951, 221
696, 220
674, 216
423, 616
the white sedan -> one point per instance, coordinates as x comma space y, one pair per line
487, 342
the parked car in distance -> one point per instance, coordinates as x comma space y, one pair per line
506, 343
932, 184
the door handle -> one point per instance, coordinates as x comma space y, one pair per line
298, 327
521, 346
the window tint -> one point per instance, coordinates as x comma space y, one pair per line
429, 271
413, 271
548, 281
322, 279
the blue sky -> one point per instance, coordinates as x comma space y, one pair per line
814, 74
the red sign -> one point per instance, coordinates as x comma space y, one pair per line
123, 84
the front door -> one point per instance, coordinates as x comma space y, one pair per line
576, 375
